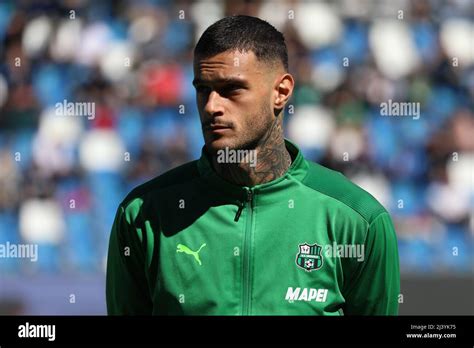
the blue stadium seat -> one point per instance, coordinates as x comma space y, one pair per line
9, 233
79, 246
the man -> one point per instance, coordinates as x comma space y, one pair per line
251, 228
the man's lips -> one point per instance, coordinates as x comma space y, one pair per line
219, 131
217, 128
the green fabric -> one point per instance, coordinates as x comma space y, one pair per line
175, 247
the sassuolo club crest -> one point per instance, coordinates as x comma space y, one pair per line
309, 257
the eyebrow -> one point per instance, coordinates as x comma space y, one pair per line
226, 80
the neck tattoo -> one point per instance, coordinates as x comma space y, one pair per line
272, 160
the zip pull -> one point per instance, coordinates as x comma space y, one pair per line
239, 211
242, 204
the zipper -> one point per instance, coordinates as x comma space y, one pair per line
246, 255
242, 205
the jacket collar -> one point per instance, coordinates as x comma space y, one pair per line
297, 171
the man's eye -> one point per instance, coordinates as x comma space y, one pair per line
203, 89
230, 89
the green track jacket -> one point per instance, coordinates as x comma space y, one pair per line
308, 243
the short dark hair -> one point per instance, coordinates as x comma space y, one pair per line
243, 33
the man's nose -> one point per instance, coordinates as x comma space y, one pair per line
213, 105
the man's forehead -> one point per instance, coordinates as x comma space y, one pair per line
233, 62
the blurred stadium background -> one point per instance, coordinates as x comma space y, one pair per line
62, 177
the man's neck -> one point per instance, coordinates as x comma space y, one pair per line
272, 161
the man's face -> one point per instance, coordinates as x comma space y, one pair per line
233, 91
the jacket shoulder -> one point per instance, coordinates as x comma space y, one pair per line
175, 177
336, 185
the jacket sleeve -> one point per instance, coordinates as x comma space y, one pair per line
126, 284
375, 286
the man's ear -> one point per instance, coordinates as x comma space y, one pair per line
283, 91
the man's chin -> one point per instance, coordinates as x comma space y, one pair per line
214, 145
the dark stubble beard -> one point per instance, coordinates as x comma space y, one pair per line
255, 132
